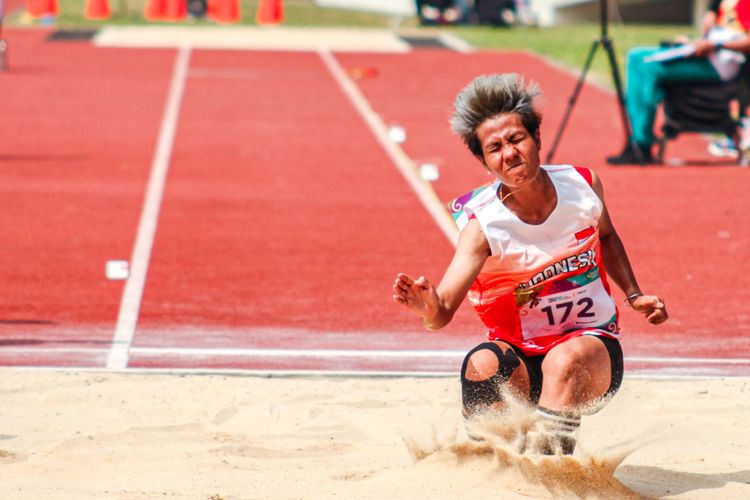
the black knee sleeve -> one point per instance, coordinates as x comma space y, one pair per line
478, 395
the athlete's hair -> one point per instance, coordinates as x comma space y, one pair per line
488, 96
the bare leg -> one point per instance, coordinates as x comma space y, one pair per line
577, 373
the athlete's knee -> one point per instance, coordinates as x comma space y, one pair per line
485, 370
481, 364
565, 367
575, 376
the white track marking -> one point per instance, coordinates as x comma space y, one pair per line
405, 165
281, 38
292, 353
456, 43
336, 353
30, 351
382, 353
130, 305
238, 372
333, 353
678, 368
688, 361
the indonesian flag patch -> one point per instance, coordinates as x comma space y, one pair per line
582, 236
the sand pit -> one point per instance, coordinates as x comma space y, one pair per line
80, 435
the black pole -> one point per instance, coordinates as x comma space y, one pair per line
608, 45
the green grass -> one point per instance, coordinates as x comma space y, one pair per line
568, 45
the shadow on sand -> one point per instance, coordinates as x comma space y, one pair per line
657, 482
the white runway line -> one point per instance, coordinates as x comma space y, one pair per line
31, 351
334, 353
685, 374
392, 353
458, 44
293, 353
130, 305
280, 38
405, 165
656, 368
688, 361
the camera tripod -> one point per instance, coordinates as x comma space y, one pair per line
605, 41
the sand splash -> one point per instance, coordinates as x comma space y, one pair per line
497, 458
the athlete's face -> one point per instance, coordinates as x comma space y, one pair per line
510, 152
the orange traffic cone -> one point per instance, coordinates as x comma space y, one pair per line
176, 10
224, 11
154, 10
166, 10
41, 8
270, 12
97, 9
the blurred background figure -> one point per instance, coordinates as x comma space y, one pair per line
197, 8
441, 12
495, 12
726, 147
3, 44
718, 56
484, 12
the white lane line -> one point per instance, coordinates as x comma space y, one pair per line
405, 165
291, 353
690, 361
335, 353
30, 351
238, 372
382, 353
331, 353
130, 304
456, 43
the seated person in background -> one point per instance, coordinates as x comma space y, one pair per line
726, 146
438, 12
710, 17
716, 57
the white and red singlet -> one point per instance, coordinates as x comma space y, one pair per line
543, 283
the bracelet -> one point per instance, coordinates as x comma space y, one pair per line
630, 298
718, 46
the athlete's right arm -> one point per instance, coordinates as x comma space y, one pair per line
436, 306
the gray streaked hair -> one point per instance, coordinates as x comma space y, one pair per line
488, 96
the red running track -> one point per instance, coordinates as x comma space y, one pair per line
283, 221
78, 131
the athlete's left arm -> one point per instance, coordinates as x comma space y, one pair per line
618, 265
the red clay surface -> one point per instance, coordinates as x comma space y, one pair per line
283, 221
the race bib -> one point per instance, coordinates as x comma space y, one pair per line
571, 303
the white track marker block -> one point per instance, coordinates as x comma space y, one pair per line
117, 270
429, 172
397, 134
